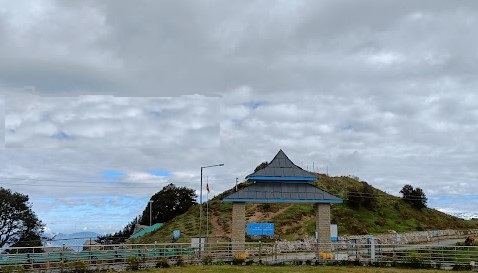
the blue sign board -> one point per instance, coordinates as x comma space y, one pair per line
258, 229
176, 234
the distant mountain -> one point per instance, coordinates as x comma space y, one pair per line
72, 240
76, 235
465, 215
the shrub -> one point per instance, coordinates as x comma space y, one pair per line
180, 261
162, 263
462, 267
219, 262
78, 266
207, 260
133, 263
326, 255
12, 269
414, 262
240, 258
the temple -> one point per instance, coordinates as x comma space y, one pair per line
281, 181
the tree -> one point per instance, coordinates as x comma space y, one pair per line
363, 197
261, 166
370, 202
19, 226
168, 203
354, 199
120, 236
415, 196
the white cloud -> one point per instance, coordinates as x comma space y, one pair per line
384, 91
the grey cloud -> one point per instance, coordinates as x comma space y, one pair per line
382, 90
2, 121
91, 121
278, 46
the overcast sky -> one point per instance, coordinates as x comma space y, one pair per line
105, 102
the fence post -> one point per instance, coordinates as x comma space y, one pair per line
260, 252
371, 242
275, 251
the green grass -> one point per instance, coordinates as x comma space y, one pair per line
285, 269
296, 221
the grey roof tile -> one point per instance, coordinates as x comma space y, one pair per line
282, 166
282, 192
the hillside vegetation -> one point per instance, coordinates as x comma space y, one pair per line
296, 221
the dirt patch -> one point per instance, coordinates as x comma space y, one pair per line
217, 229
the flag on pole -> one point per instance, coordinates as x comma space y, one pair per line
207, 188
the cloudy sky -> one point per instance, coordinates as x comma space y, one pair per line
105, 102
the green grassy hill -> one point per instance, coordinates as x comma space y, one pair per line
295, 221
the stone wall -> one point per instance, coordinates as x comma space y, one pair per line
238, 227
310, 243
414, 237
322, 225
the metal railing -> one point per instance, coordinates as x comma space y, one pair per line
120, 257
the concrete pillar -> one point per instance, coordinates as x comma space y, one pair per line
238, 235
322, 226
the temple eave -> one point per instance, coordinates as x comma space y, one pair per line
281, 200
281, 178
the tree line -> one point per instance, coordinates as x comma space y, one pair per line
168, 203
365, 197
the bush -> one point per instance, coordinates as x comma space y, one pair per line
219, 262
462, 267
12, 269
180, 261
133, 263
207, 260
162, 263
414, 262
240, 258
78, 266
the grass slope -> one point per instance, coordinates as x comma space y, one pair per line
295, 221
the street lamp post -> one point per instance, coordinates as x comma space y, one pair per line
200, 206
150, 212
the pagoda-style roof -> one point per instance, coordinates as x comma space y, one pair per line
282, 182
282, 193
283, 169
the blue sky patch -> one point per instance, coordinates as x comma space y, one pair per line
442, 200
61, 136
159, 172
347, 127
112, 175
254, 104
156, 113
